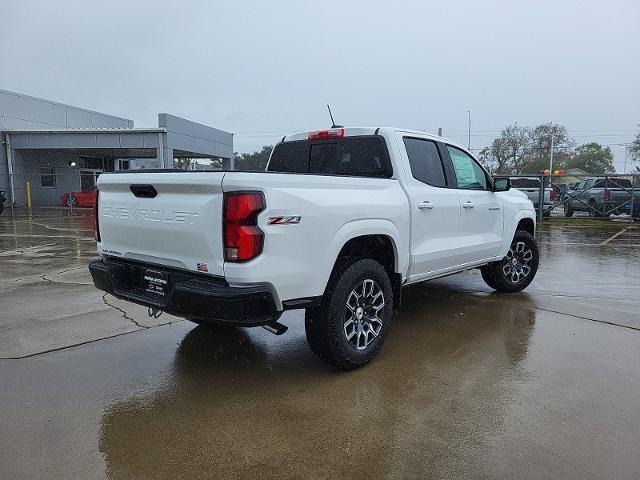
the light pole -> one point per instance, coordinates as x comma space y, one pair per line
551, 156
626, 147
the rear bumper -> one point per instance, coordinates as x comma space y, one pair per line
190, 295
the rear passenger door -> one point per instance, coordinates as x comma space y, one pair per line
435, 209
481, 215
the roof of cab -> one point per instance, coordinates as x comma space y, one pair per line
354, 131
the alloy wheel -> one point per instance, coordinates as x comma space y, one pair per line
517, 264
363, 314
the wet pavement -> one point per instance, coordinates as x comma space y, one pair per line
470, 384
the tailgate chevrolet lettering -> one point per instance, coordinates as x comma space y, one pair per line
149, 214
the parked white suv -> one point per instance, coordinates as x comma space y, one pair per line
341, 220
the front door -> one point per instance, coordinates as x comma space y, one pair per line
435, 210
481, 214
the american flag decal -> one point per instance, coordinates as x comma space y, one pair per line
202, 267
285, 220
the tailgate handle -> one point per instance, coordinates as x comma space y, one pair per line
144, 191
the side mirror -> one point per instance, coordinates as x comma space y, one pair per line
501, 184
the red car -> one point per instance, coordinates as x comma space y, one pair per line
79, 199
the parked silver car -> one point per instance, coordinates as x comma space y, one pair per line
602, 197
531, 187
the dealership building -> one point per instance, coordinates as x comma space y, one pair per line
59, 148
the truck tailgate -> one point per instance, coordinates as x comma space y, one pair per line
173, 219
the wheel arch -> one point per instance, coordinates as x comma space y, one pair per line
524, 220
527, 224
380, 241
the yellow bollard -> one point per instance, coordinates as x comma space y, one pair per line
28, 194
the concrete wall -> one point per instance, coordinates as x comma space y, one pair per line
131, 139
194, 137
22, 111
27, 167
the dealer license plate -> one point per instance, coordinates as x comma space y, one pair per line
156, 282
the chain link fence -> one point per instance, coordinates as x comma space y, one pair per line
603, 197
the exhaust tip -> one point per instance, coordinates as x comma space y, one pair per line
276, 328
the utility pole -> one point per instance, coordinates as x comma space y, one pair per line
469, 142
625, 145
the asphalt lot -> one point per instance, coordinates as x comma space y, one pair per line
471, 384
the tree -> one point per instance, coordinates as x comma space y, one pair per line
634, 150
256, 161
593, 158
506, 153
182, 163
537, 157
217, 163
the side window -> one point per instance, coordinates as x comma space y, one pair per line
425, 162
469, 174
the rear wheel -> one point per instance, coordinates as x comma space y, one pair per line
516, 270
350, 326
594, 211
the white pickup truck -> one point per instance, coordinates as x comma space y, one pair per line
340, 221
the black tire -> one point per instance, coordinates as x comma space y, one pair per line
501, 275
568, 211
593, 211
1, 207
327, 327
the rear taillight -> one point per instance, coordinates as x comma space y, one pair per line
607, 195
327, 134
96, 225
242, 237
553, 195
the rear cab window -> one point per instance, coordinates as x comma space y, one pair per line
358, 156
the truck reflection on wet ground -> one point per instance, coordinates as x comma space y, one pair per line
236, 399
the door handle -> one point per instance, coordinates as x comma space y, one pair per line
468, 204
425, 205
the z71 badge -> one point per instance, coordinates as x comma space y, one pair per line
287, 220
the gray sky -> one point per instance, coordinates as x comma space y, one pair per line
261, 69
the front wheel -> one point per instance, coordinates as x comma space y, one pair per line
568, 211
516, 270
350, 326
